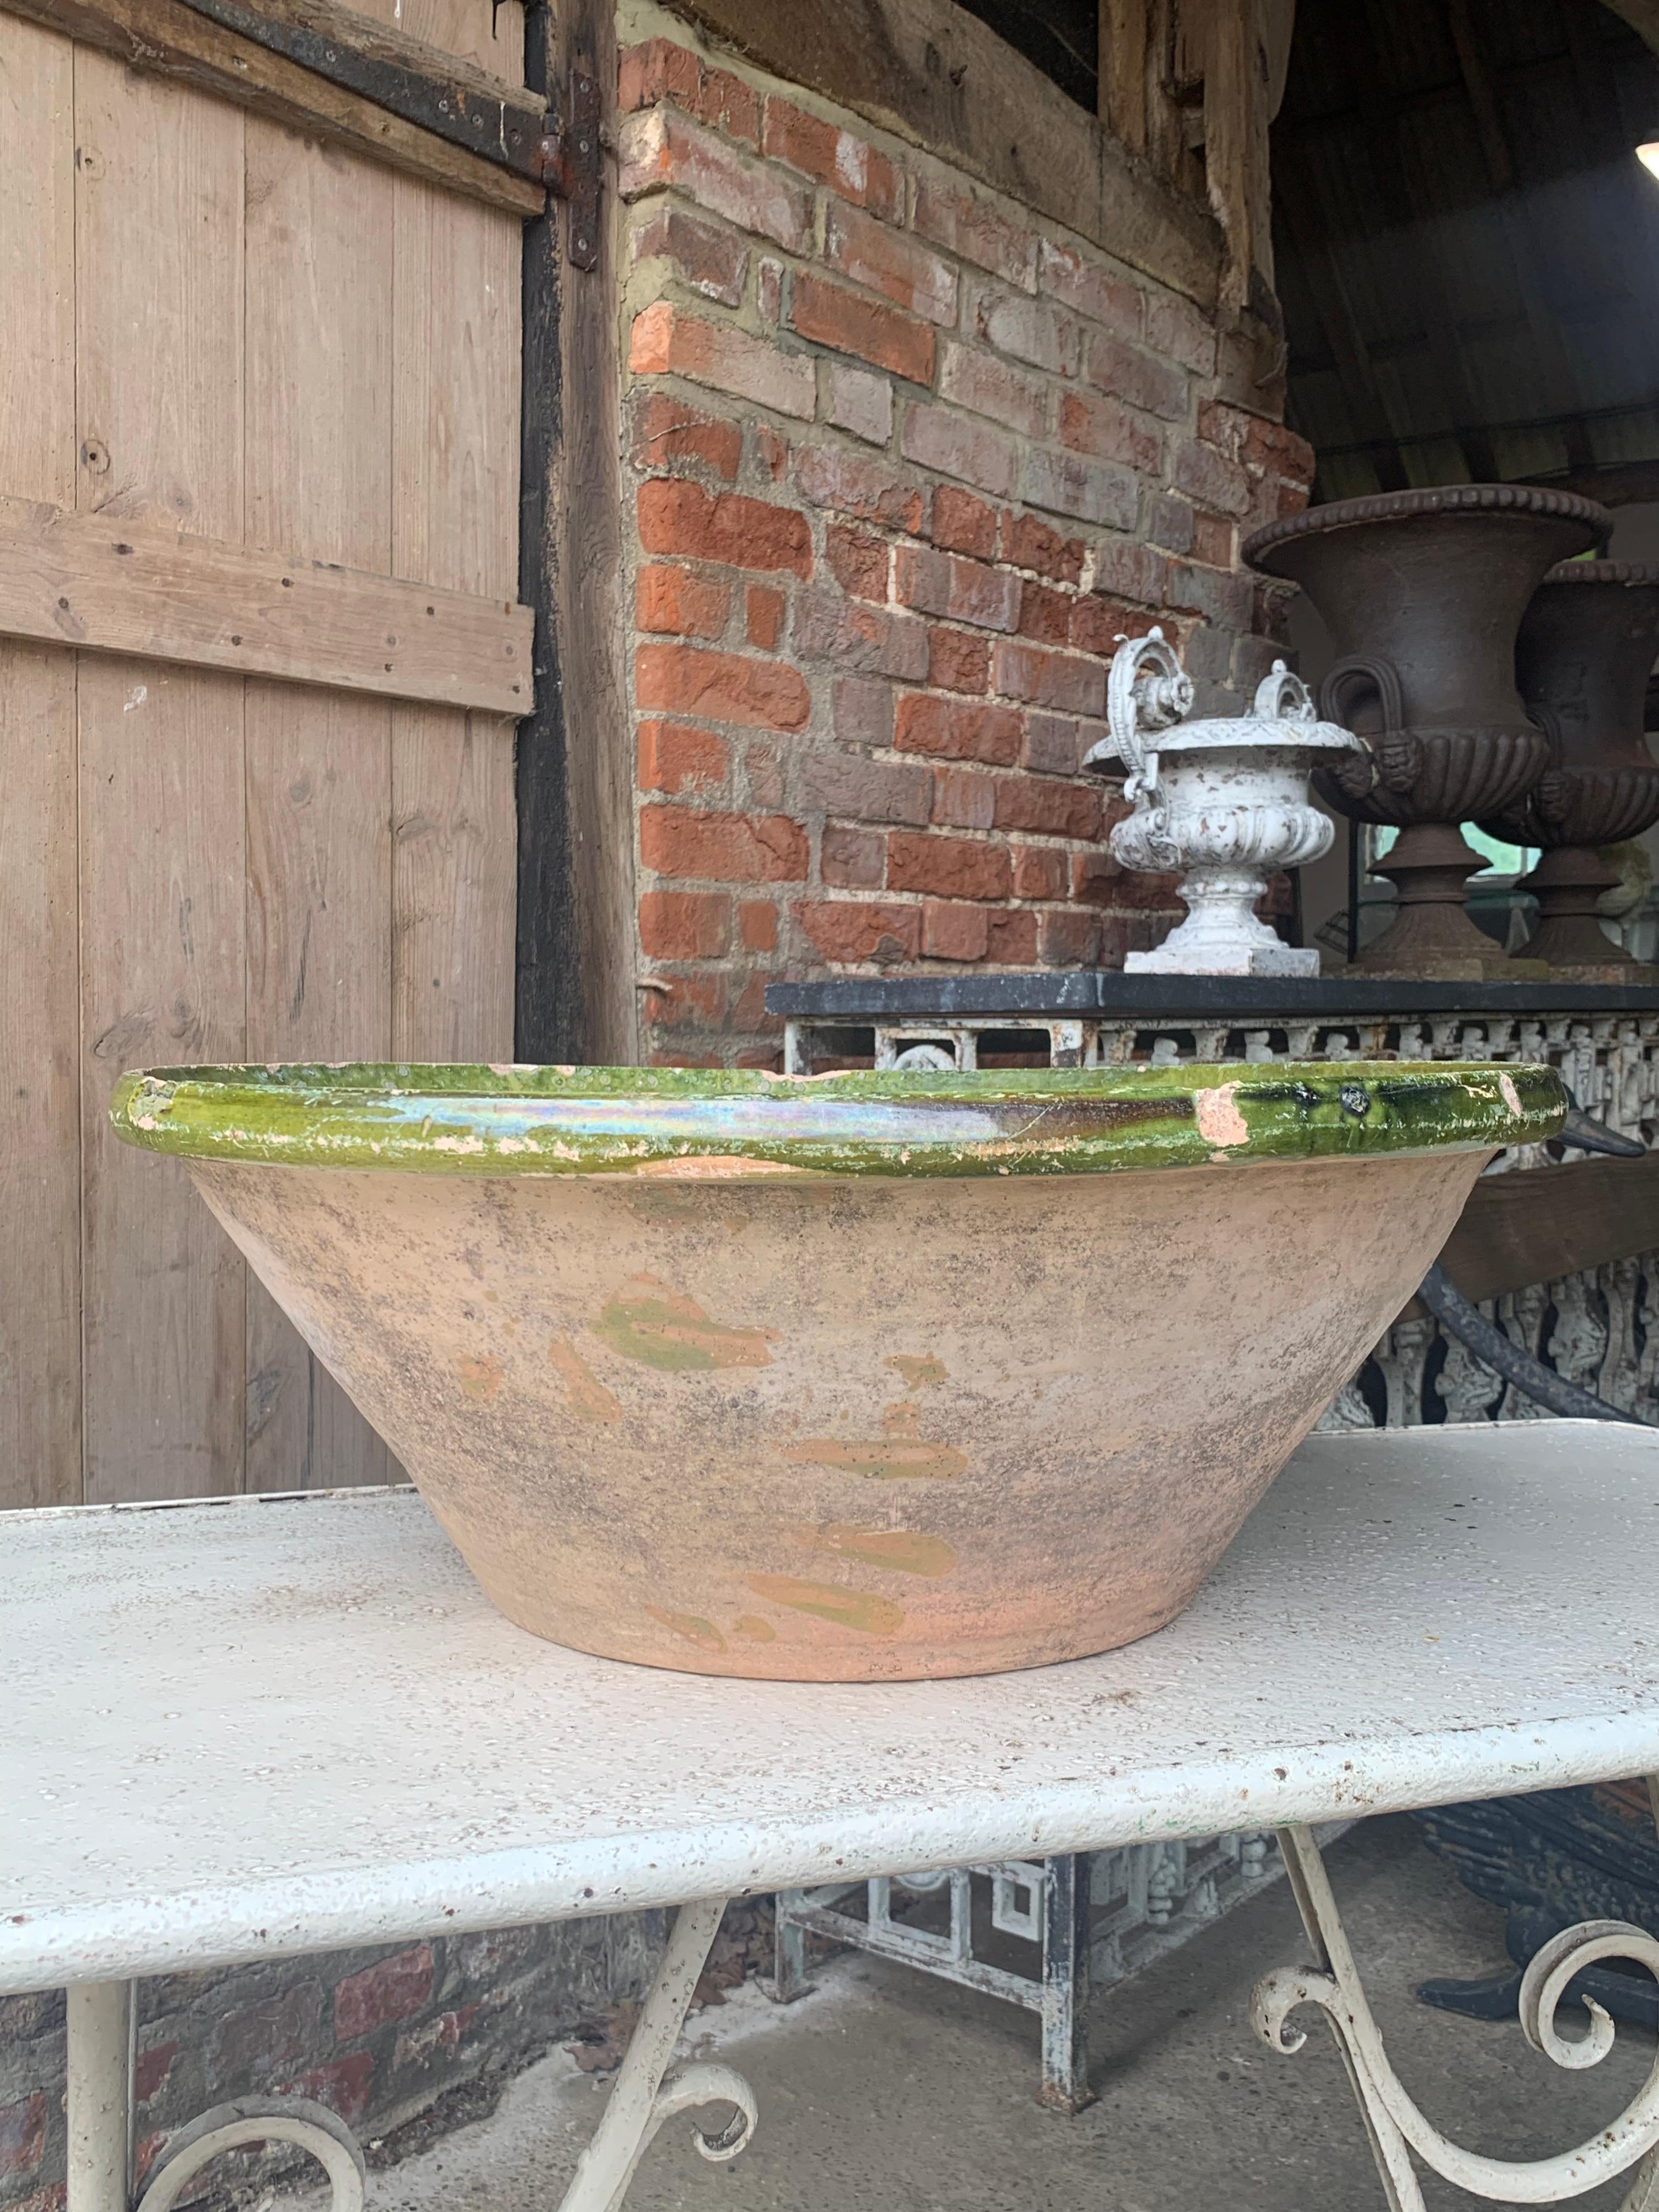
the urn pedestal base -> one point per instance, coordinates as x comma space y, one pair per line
1431, 936
1277, 960
1223, 933
1567, 883
1630, 974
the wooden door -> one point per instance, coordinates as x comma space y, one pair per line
233, 354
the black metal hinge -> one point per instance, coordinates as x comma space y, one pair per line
570, 167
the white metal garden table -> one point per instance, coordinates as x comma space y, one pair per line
186, 1780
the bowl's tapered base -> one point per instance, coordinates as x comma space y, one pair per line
844, 1430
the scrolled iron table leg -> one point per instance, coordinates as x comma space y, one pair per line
100, 2021
641, 2101
1396, 2126
101, 2068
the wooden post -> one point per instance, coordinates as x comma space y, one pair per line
1123, 56
1236, 141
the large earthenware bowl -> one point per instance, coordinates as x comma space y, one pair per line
854, 1378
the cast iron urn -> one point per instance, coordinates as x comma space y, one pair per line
1422, 593
1587, 644
1225, 800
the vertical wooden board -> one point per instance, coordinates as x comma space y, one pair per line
37, 262
456, 372
162, 968
455, 499
492, 36
318, 482
158, 299
317, 438
454, 865
159, 302
40, 1155
319, 988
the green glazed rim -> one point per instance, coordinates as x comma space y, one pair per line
455, 1119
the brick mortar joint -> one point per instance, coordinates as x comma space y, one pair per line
788, 343
641, 21
820, 436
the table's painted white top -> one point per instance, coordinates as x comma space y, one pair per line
233, 1730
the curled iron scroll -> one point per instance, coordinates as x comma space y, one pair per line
1282, 697
248, 2120
1397, 2125
1147, 689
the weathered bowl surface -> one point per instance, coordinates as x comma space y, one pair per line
867, 1377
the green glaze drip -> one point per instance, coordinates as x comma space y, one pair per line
903, 1551
629, 1121
690, 1625
875, 1616
647, 1321
887, 1459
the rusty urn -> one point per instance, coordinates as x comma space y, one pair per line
1588, 641
1422, 593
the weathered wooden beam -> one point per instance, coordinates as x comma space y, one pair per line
578, 996
1123, 56
935, 75
1483, 97
1535, 1227
441, 92
1236, 141
1167, 150
100, 585
195, 41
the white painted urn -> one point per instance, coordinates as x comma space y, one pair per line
1225, 800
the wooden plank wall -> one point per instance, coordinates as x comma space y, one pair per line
217, 325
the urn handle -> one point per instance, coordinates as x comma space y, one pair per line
1148, 690
1364, 695
1282, 697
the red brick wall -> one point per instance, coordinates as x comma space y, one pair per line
900, 464
400, 2043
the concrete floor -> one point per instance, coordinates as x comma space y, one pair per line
886, 2089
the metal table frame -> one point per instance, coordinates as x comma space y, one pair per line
642, 1789
1083, 1923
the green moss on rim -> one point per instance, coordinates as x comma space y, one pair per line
561, 1120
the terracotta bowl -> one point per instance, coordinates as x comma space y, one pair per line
859, 1378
